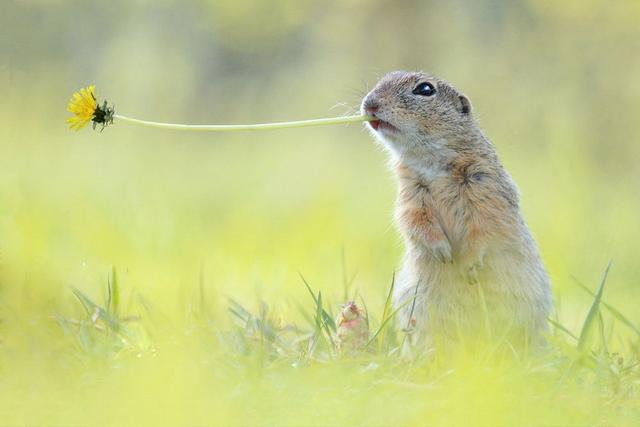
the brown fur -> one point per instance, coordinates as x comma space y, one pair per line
458, 210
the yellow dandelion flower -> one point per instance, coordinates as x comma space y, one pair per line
85, 108
83, 105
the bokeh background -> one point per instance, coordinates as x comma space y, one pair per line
554, 84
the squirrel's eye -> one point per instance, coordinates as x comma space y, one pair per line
425, 89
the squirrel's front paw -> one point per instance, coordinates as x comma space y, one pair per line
441, 250
472, 273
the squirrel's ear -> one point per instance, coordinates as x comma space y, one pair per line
463, 104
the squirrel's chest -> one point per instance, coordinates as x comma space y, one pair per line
442, 190
438, 197
446, 182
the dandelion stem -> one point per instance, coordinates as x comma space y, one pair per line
259, 126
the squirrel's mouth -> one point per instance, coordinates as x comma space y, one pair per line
382, 126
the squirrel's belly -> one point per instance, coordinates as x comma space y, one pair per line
511, 291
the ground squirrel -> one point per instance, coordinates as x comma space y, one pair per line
469, 254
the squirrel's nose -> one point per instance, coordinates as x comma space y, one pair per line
371, 106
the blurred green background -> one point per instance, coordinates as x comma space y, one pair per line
554, 84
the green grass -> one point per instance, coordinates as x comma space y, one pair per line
120, 361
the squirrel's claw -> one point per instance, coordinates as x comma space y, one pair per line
472, 273
441, 250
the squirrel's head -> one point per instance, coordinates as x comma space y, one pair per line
414, 108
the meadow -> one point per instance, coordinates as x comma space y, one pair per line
152, 277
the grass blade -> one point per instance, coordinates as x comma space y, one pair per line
319, 310
303, 311
366, 310
92, 309
387, 304
113, 298
562, 328
593, 312
385, 321
327, 317
413, 306
321, 321
614, 312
